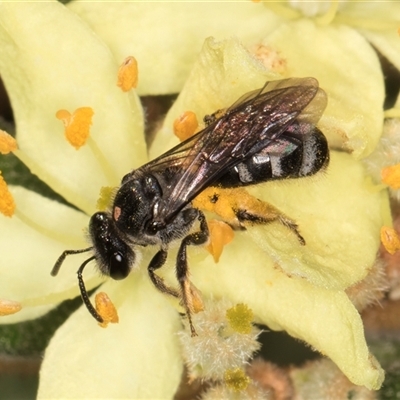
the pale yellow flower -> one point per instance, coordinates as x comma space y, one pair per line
288, 287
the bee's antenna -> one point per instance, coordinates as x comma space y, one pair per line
63, 256
84, 294
82, 288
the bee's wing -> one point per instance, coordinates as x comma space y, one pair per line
311, 112
248, 126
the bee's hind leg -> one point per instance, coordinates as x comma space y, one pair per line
240, 209
269, 214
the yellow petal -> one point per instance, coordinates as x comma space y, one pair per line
165, 37
387, 42
314, 203
122, 361
372, 16
347, 69
26, 274
229, 71
335, 212
324, 318
300, 289
42, 77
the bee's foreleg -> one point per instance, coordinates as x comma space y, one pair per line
190, 295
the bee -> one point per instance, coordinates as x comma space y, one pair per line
268, 134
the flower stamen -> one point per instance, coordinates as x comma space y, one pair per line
7, 203
77, 125
8, 307
185, 125
7, 143
390, 239
220, 235
128, 74
106, 309
391, 176
77, 132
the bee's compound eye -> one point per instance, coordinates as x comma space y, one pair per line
120, 266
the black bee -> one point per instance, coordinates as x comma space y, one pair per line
268, 134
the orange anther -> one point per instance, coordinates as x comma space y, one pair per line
128, 74
391, 176
390, 239
77, 125
8, 307
185, 125
106, 309
7, 143
7, 203
220, 235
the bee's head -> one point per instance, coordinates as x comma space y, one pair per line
114, 256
